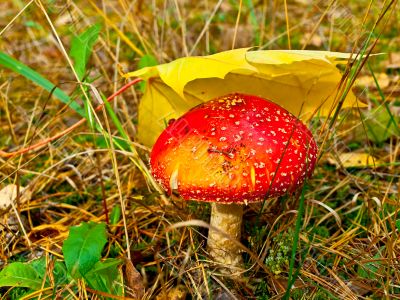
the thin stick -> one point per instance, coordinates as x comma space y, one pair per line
118, 180
287, 26
237, 24
183, 29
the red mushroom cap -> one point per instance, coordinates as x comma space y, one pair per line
236, 148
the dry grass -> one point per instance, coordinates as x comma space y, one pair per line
349, 244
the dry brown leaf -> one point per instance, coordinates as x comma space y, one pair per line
134, 280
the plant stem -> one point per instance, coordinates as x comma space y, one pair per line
224, 248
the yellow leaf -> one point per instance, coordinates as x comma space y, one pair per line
355, 160
303, 82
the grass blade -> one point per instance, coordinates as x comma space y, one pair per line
292, 275
18, 67
384, 102
116, 121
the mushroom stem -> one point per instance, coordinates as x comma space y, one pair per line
228, 219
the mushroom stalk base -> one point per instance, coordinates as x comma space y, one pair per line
228, 219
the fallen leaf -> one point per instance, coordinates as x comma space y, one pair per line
134, 280
8, 196
354, 160
303, 82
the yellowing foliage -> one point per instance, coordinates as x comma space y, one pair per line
355, 160
303, 82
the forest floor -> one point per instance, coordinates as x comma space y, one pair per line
343, 242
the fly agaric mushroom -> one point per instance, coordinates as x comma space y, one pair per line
231, 151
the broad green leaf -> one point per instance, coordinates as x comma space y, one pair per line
60, 273
303, 82
19, 274
81, 48
82, 249
39, 265
18, 67
105, 277
31, 274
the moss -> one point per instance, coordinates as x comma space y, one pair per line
278, 257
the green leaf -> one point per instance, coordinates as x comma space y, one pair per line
115, 215
60, 274
82, 249
81, 48
19, 274
105, 277
18, 67
39, 265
